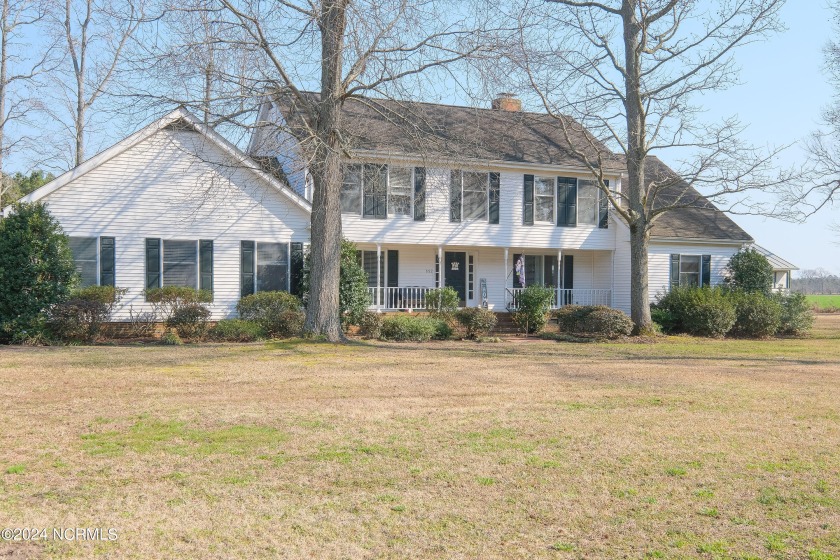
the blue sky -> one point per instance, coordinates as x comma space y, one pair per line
783, 91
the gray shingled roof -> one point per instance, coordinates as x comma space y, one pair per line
436, 131
700, 220
430, 130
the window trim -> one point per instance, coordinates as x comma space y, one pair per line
463, 218
412, 189
553, 220
97, 244
257, 264
197, 264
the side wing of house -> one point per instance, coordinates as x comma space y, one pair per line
178, 209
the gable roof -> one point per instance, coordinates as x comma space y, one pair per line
445, 132
777, 262
179, 119
699, 220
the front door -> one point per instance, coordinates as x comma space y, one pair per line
455, 273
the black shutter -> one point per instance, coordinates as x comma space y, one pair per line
706, 270
566, 201
604, 208
528, 201
152, 263
455, 196
205, 264
106, 261
437, 270
296, 269
568, 272
675, 270
419, 194
246, 268
495, 181
393, 268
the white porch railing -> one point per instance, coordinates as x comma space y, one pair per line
566, 297
408, 298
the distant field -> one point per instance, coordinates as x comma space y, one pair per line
825, 302
683, 449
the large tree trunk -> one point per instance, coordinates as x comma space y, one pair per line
322, 314
636, 153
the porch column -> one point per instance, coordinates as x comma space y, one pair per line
559, 276
505, 271
440, 266
378, 273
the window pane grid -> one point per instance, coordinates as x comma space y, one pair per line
351, 190
475, 195
272, 266
544, 199
690, 270
400, 187
180, 263
84, 257
587, 202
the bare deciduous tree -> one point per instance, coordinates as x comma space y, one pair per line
93, 37
339, 49
21, 62
630, 72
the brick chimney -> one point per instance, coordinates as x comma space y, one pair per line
507, 102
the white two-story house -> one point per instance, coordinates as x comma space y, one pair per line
486, 201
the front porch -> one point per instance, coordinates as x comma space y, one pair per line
401, 276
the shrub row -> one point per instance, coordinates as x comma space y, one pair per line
719, 311
413, 328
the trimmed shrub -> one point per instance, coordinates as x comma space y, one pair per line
414, 329
442, 303
81, 317
168, 299
756, 314
594, 320
36, 270
370, 325
477, 321
443, 330
236, 330
664, 319
189, 320
796, 315
700, 311
534, 305
277, 313
141, 324
749, 271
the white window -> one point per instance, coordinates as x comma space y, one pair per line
400, 188
351, 190
587, 202
272, 266
475, 195
544, 192
689, 270
180, 263
85, 259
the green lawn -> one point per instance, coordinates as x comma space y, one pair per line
825, 302
684, 448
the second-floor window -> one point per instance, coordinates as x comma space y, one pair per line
379, 191
544, 199
473, 195
588, 195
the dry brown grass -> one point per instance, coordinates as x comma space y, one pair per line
679, 449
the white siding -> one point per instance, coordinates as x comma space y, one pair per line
659, 262
509, 232
158, 188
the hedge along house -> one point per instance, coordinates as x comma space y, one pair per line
176, 204
486, 201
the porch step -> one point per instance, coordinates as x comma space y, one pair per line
505, 324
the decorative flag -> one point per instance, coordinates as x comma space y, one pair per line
520, 270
